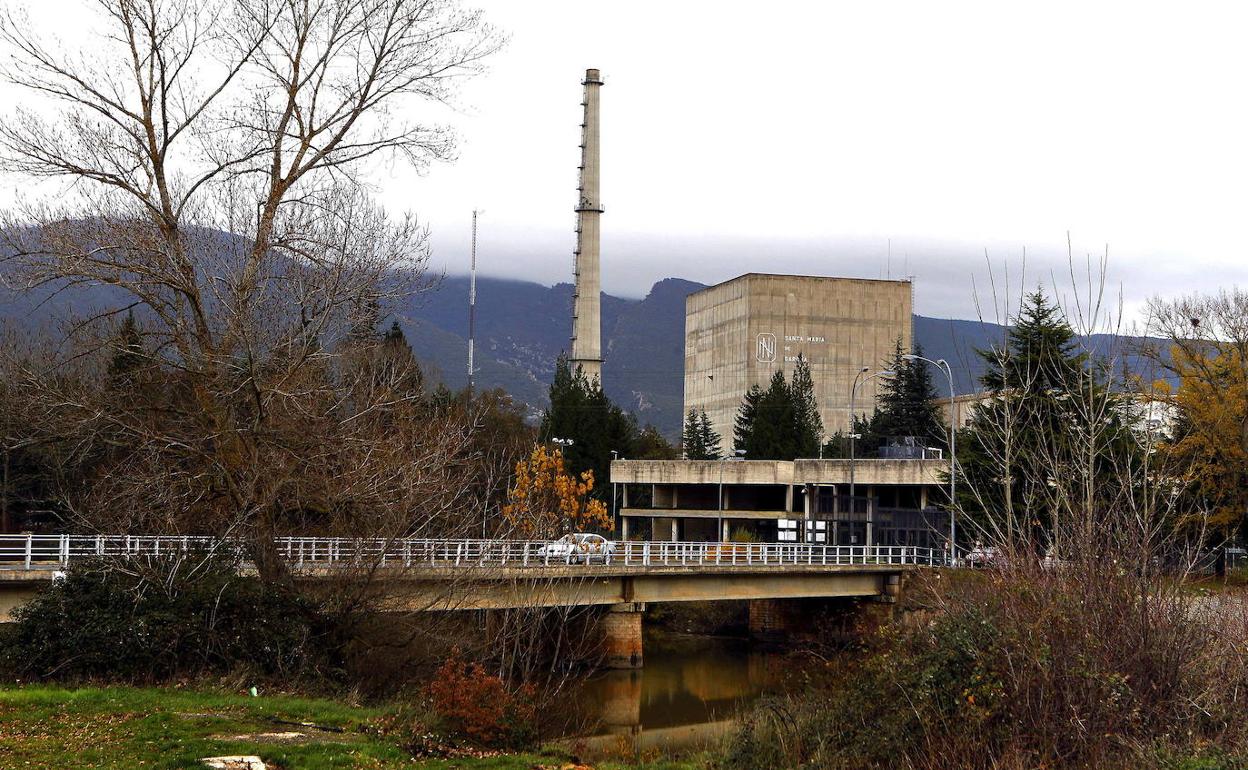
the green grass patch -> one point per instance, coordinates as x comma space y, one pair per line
170, 727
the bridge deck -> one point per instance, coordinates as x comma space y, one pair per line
438, 575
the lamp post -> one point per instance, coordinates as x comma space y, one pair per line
943, 365
853, 394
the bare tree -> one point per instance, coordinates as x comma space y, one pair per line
1206, 351
206, 163
1063, 465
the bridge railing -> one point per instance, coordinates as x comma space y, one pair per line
58, 551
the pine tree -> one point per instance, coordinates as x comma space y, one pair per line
743, 425
709, 438
580, 411
807, 425
691, 438
771, 437
650, 444
1009, 453
699, 440
781, 422
907, 406
1040, 355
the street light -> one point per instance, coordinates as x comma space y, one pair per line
943, 365
853, 394
562, 441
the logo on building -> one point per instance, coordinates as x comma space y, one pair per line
766, 351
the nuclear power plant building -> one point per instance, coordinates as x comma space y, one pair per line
740, 332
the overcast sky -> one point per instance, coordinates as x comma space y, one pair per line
804, 136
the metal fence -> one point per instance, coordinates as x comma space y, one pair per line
54, 552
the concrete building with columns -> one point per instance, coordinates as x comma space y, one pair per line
740, 332
784, 500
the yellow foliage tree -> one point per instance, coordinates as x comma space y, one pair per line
1209, 446
547, 500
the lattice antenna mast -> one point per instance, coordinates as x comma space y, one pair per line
472, 302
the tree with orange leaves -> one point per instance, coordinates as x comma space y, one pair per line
1208, 446
547, 500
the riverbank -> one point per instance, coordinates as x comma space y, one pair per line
98, 728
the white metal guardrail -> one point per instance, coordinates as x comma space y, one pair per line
33, 552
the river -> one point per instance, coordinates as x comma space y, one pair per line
686, 695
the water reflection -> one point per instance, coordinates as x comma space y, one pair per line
687, 693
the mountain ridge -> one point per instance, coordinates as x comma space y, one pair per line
523, 326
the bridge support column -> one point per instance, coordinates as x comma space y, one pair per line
769, 618
892, 589
621, 636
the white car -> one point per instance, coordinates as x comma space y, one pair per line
985, 556
578, 547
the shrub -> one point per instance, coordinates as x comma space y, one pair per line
479, 707
158, 619
412, 728
1086, 666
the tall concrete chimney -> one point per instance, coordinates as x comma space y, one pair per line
587, 297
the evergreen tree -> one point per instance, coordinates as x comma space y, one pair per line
1040, 355
651, 445
781, 422
580, 411
1011, 452
772, 434
807, 425
709, 437
691, 439
699, 441
907, 405
743, 425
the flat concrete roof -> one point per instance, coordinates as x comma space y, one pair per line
784, 472
746, 276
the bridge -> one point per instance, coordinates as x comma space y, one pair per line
452, 575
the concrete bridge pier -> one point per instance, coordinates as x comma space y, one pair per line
771, 619
621, 635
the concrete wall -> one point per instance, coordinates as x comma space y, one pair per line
587, 298
964, 407
838, 324
14, 595
669, 475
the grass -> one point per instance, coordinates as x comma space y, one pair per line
168, 728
